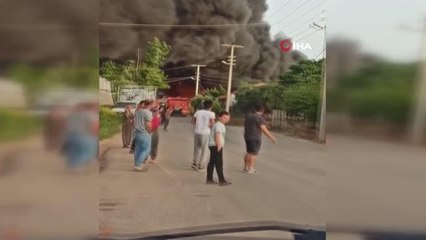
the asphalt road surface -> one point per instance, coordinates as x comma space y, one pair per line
289, 185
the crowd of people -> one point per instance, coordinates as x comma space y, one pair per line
209, 135
140, 134
140, 130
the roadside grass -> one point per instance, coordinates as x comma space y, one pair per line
18, 124
110, 123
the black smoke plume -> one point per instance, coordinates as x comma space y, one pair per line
259, 59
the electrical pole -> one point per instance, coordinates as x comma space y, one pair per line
137, 66
197, 78
231, 63
322, 122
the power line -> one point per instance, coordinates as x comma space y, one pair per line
304, 14
297, 8
319, 54
300, 33
279, 9
308, 21
214, 77
174, 68
306, 36
146, 25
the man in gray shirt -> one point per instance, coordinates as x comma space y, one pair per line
142, 138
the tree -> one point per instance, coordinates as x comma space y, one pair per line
302, 89
305, 72
215, 92
147, 73
272, 96
150, 72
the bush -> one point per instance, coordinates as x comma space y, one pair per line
298, 99
109, 121
197, 103
271, 96
302, 100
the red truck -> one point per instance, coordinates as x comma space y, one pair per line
180, 105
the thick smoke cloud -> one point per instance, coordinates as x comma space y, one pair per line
259, 59
47, 30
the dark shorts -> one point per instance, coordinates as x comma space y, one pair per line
253, 146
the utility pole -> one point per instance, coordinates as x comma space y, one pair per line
137, 65
197, 78
137, 62
419, 118
231, 63
322, 123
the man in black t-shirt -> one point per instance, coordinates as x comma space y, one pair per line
254, 125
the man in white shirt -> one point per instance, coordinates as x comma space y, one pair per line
203, 120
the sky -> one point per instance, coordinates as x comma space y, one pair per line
391, 29
293, 18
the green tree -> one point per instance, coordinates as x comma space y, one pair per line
302, 89
272, 96
380, 91
305, 72
198, 101
146, 73
150, 72
215, 92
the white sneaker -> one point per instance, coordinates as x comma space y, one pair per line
251, 171
139, 168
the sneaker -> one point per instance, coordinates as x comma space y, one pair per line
211, 182
139, 168
201, 169
224, 183
194, 166
251, 171
245, 170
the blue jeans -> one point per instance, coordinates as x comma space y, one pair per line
142, 147
80, 149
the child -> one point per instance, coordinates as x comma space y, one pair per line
216, 144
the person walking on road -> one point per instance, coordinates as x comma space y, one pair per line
143, 130
203, 120
216, 145
156, 121
127, 127
254, 126
167, 115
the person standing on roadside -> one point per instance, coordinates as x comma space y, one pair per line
143, 130
156, 121
203, 120
167, 115
127, 127
254, 126
132, 145
216, 145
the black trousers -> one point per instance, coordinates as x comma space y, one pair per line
216, 161
166, 122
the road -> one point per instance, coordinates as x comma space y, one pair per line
289, 185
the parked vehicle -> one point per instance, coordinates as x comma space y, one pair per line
180, 105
